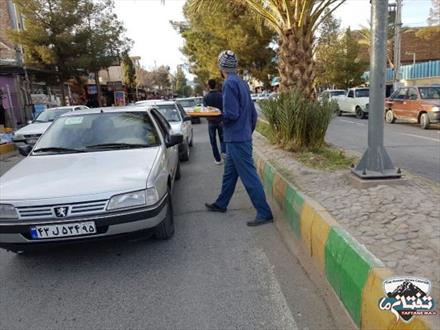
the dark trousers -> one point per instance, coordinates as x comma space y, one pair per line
239, 163
215, 128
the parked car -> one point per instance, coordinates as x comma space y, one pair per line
93, 174
417, 104
330, 94
189, 104
355, 101
180, 123
29, 134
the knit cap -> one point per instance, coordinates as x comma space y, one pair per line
227, 61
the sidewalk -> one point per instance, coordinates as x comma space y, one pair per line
398, 224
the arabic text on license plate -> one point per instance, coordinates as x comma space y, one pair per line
63, 230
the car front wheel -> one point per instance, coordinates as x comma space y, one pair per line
359, 113
424, 121
389, 117
165, 230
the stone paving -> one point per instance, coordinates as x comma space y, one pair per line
399, 224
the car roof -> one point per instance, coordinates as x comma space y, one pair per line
185, 98
138, 108
62, 108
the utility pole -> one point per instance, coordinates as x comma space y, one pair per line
376, 163
397, 44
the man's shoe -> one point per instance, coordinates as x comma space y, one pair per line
259, 222
218, 162
214, 208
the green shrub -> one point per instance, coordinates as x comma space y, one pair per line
297, 123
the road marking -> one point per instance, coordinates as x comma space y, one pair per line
352, 122
421, 137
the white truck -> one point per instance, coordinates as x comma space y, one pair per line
355, 101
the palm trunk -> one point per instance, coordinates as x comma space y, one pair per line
296, 64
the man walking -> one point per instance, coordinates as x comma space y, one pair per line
239, 121
214, 99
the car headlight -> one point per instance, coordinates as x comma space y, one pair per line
145, 197
435, 109
18, 137
8, 212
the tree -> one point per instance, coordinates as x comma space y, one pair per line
337, 57
295, 23
102, 38
50, 40
128, 72
71, 37
180, 80
229, 27
434, 13
161, 78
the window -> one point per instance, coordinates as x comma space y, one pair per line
362, 92
351, 93
402, 94
170, 112
430, 93
91, 132
412, 94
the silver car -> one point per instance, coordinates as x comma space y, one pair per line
189, 104
93, 174
32, 132
180, 123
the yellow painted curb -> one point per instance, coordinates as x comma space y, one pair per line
5, 148
321, 225
306, 222
372, 318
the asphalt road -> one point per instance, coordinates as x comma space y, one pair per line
410, 147
215, 273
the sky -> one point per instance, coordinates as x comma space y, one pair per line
157, 43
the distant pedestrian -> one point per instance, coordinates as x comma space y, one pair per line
215, 99
239, 121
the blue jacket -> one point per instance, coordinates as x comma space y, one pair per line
214, 99
239, 114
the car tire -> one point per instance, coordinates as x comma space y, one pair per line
178, 174
165, 230
359, 113
389, 117
424, 121
184, 156
192, 138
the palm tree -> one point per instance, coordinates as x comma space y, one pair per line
295, 22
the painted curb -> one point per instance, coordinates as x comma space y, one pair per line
6, 148
353, 272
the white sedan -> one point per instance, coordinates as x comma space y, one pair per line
94, 174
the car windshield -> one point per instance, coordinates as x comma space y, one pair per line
100, 131
362, 92
337, 93
430, 93
187, 103
169, 111
51, 115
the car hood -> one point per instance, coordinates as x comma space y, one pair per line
73, 175
34, 128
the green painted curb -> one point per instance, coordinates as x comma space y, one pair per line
294, 202
268, 174
346, 268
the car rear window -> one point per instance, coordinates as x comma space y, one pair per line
51, 115
169, 111
362, 92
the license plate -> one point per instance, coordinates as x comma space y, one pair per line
63, 230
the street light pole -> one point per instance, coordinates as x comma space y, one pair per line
397, 44
376, 163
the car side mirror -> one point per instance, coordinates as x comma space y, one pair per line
173, 139
25, 150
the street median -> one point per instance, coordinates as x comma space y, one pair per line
354, 273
